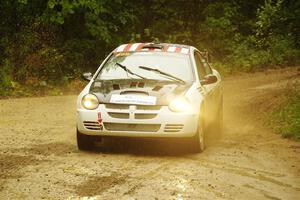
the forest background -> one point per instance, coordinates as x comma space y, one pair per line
47, 44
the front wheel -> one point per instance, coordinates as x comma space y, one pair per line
219, 120
84, 142
198, 141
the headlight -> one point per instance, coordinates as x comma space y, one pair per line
180, 105
90, 101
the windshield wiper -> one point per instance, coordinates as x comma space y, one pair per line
170, 76
129, 71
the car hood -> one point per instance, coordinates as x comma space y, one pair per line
164, 91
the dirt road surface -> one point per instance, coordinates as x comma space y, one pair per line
39, 158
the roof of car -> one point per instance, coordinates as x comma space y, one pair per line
161, 47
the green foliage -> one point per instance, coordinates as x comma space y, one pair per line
274, 41
102, 19
219, 28
5, 78
48, 42
286, 119
268, 16
248, 57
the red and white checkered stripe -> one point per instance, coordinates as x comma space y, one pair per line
139, 47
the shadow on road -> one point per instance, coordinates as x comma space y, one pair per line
143, 147
149, 146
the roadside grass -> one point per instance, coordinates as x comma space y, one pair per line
31, 90
285, 119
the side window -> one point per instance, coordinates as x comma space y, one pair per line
202, 67
206, 66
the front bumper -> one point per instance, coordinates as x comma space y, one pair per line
136, 121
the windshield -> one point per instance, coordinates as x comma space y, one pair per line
178, 65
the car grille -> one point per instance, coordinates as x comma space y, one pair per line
131, 127
173, 127
144, 115
119, 115
121, 111
148, 107
92, 125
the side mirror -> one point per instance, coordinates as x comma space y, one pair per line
87, 76
209, 79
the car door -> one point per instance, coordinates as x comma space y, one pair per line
215, 87
208, 91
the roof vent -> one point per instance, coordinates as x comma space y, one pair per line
153, 46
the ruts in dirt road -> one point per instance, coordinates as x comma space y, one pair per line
39, 158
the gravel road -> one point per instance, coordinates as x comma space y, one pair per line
39, 158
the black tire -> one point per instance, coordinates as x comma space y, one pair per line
198, 141
84, 142
219, 119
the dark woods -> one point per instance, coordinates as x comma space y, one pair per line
45, 43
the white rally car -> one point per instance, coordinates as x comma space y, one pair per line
150, 90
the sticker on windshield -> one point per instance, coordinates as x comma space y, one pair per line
122, 54
133, 99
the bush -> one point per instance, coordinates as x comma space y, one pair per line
82, 55
286, 118
46, 43
5, 78
249, 56
283, 51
